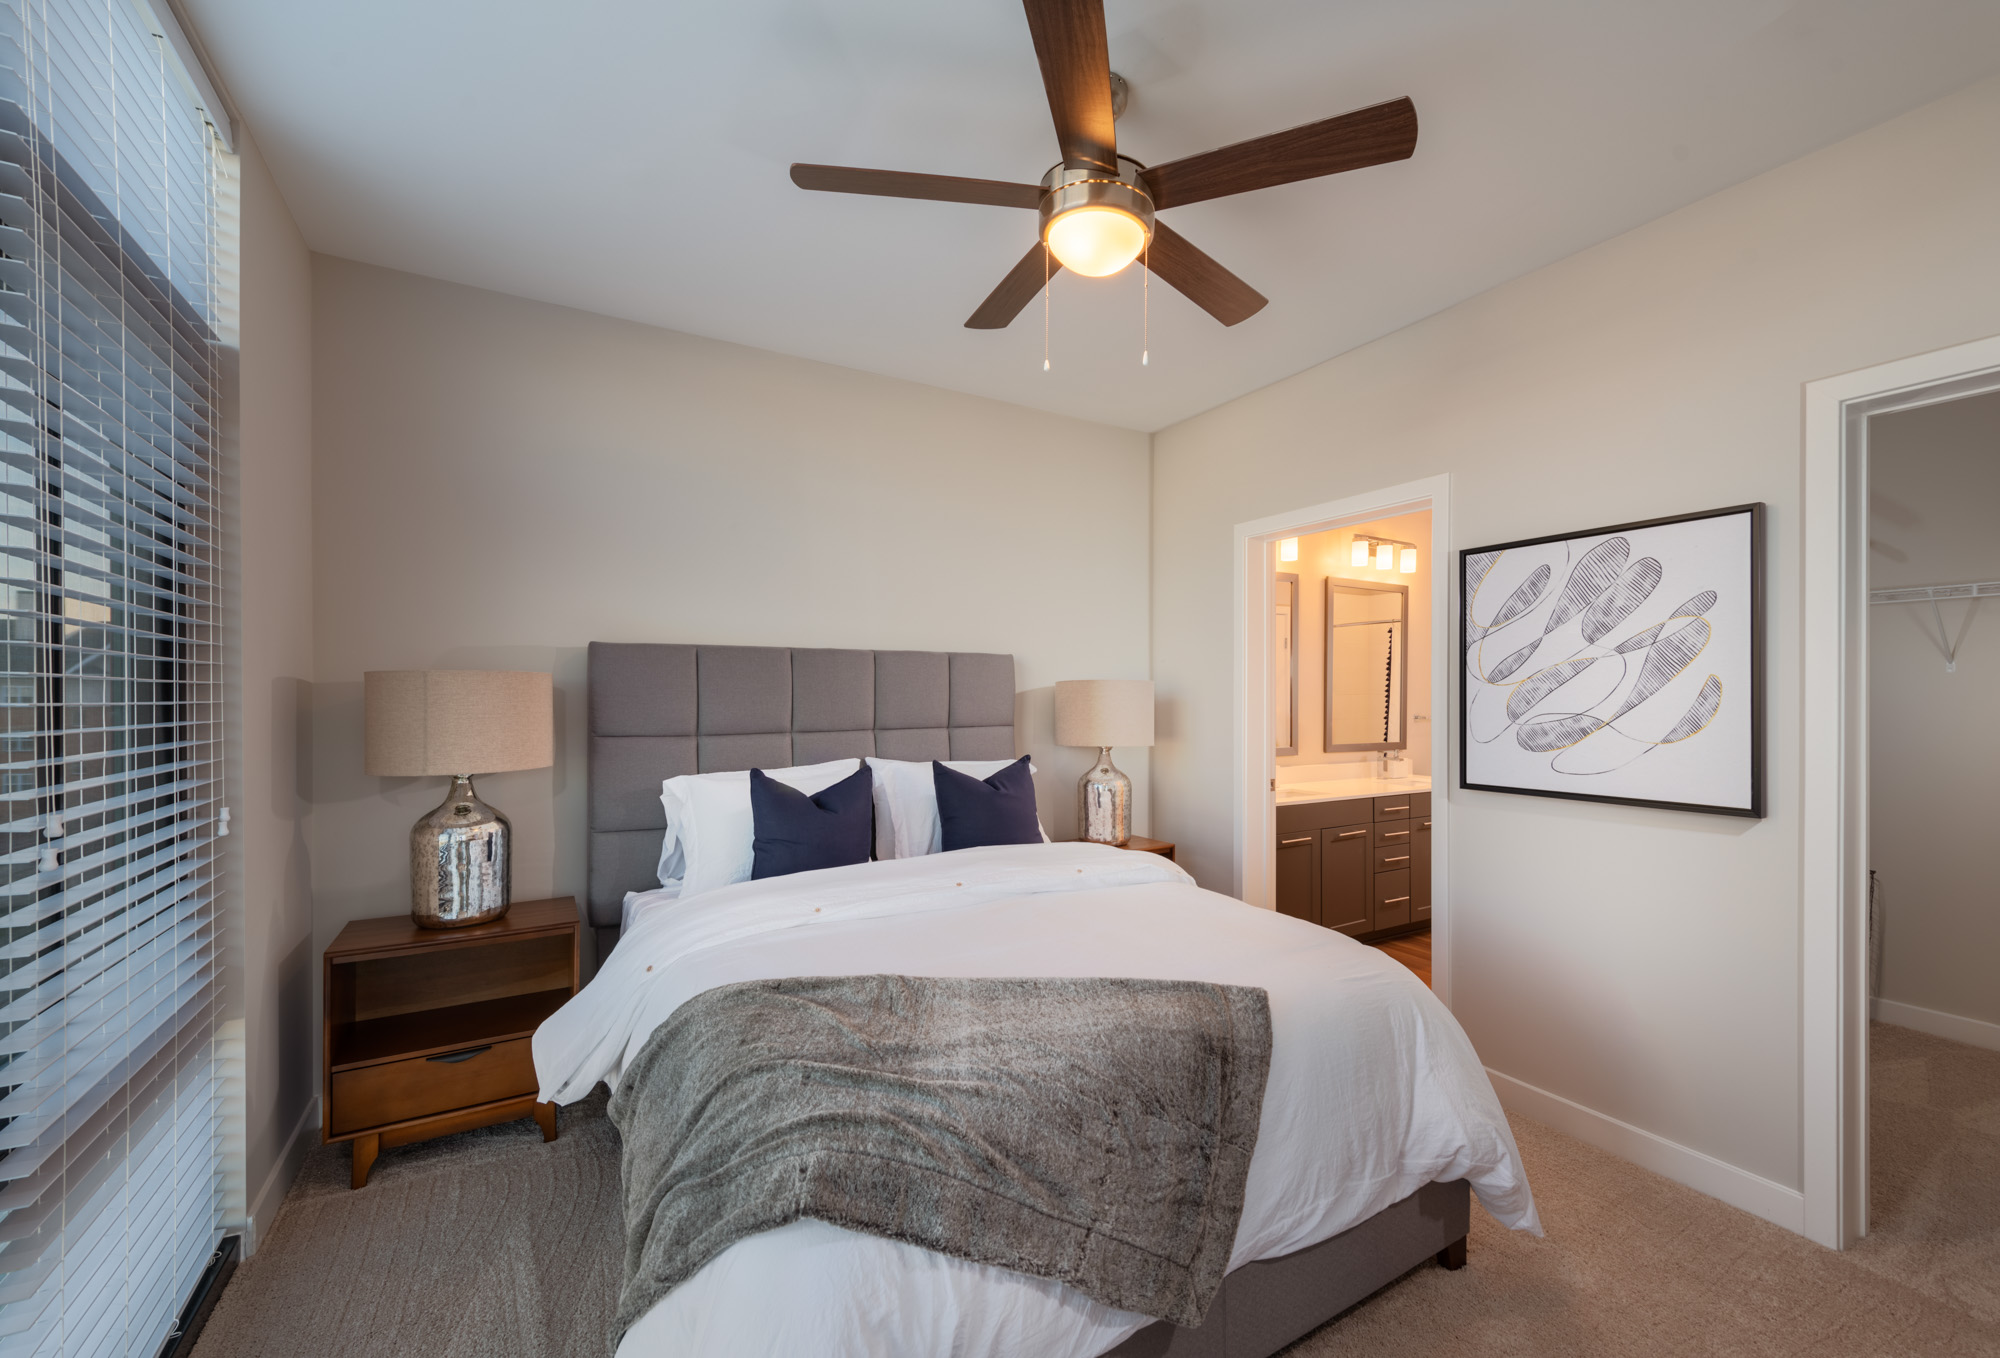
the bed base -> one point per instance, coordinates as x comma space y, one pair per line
1268, 1304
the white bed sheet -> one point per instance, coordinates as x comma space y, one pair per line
1374, 1089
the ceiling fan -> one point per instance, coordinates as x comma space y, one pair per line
1097, 206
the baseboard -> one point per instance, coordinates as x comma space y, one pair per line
1753, 1193
1972, 1032
264, 1207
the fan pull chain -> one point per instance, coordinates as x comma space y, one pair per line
1146, 305
1045, 306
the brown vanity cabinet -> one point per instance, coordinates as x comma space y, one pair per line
1298, 871
1344, 875
1359, 865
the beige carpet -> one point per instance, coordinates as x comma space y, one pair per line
492, 1243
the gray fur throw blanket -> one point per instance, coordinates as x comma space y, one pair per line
1097, 1132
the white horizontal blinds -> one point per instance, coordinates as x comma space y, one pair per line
109, 778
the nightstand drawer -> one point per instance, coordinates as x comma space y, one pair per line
395, 1091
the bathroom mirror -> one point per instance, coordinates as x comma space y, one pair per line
1285, 665
1367, 636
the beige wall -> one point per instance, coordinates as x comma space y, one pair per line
500, 482
1326, 554
1642, 964
269, 450
1934, 738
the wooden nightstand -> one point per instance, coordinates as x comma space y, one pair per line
428, 1030
1140, 844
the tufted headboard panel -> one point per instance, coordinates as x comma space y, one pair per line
660, 711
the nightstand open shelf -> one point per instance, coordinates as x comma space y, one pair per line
428, 1031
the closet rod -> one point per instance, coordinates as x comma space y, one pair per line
1933, 595
1924, 594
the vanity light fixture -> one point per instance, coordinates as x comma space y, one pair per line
1358, 555
1288, 550
1385, 556
1407, 563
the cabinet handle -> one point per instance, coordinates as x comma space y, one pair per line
1349, 834
453, 1058
1395, 900
1387, 809
1427, 825
1303, 839
1404, 859
1390, 834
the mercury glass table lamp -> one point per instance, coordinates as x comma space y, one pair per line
455, 723
1104, 713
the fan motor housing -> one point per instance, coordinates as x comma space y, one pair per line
1069, 187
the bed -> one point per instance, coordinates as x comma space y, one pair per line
1378, 1123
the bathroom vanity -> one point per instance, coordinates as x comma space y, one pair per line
1355, 855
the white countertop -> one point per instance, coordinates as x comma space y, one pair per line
1341, 789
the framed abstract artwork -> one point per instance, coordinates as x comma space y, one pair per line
1619, 665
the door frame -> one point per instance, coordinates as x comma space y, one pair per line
1256, 818
1834, 763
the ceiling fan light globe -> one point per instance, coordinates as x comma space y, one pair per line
1096, 241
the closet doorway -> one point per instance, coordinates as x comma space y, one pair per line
1340, 671
1933, 722
1889, 1025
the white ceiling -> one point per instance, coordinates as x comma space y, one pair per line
629, 157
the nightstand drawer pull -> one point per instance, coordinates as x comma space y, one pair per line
1349, 834
1302, 839
1395, 900
454, 1058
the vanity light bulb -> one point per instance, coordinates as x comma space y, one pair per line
1359, 556
1385, 557
1288, 550
1408, 564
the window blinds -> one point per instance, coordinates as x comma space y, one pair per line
109, 1102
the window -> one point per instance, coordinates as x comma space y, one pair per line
109, 1102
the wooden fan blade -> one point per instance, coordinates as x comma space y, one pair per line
1076, 71
942, 188
1200, 279
1367, 136
1016, 290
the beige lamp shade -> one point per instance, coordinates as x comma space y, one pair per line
425, 722
1104, 712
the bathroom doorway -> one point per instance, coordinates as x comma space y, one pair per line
1341, 644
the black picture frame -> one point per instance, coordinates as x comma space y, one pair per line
1756, 753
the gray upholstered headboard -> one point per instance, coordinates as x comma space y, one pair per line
660, 711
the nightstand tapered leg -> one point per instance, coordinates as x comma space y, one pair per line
366, 1148
545, 1113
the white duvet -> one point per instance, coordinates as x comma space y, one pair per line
1374, 1089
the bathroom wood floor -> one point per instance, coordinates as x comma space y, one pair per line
1413, 951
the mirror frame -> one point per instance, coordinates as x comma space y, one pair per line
1334, 582
1292, 746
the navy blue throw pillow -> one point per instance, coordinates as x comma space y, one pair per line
973, 812
797, 832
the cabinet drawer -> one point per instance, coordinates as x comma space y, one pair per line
1395, 856
1299, 818
1391, 832
1392, 899
396, 1091
1393, 808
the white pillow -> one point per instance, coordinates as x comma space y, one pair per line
906, 812
710, 831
